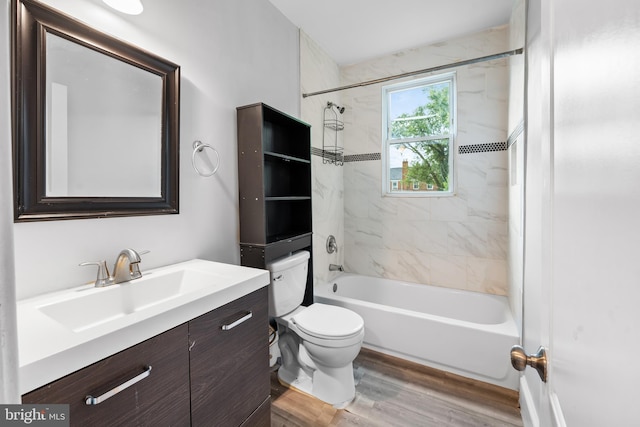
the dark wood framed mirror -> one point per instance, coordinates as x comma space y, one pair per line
95, 121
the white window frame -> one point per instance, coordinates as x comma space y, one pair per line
386, 141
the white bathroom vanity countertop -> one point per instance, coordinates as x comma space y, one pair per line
62, 332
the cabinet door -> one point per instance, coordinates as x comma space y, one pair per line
161, 398
230, 365
261, 417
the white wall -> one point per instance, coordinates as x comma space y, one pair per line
460, 241
317, 72
231, 53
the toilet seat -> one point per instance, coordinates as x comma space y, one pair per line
328, 322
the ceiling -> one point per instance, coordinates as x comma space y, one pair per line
352, 31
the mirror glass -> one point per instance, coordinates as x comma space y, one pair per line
95, 124
104, 124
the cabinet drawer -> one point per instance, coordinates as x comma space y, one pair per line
230, 368
162, 398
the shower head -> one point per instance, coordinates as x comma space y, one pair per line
338, 108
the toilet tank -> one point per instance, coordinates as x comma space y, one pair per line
288, 283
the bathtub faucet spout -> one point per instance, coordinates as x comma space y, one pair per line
335, 267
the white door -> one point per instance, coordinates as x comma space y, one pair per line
582, 244
534, 395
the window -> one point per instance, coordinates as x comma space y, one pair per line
418, 134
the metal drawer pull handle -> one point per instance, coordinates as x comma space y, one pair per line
90, 400
237, 322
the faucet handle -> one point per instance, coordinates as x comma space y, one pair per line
103, 278
133, 254
332, 246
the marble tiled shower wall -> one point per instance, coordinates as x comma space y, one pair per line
458, 241
319, 71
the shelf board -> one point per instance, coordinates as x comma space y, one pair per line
286, 198
288, 237
286, 157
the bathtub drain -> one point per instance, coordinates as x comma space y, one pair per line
335, 287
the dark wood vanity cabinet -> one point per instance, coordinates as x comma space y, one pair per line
230, 362
210, 371
274, 178
162, 398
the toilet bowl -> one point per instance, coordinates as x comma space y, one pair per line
317, 343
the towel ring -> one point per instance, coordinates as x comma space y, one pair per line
198, 147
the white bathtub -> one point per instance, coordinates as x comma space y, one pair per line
466, 333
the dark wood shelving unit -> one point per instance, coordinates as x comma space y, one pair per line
274, 177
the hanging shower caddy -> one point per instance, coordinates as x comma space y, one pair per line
332, 153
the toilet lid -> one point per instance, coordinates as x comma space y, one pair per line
328, 321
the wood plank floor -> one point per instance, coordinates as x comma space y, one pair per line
394, 392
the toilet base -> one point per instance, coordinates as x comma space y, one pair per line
321, 368
336, 387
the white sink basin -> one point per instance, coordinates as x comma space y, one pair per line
88, 308
61, 332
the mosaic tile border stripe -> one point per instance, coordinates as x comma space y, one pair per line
362, 157
465, 149
348, 158
482, 148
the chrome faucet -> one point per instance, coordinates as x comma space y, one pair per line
126, 267
335, 267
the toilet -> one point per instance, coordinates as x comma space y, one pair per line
318, 343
